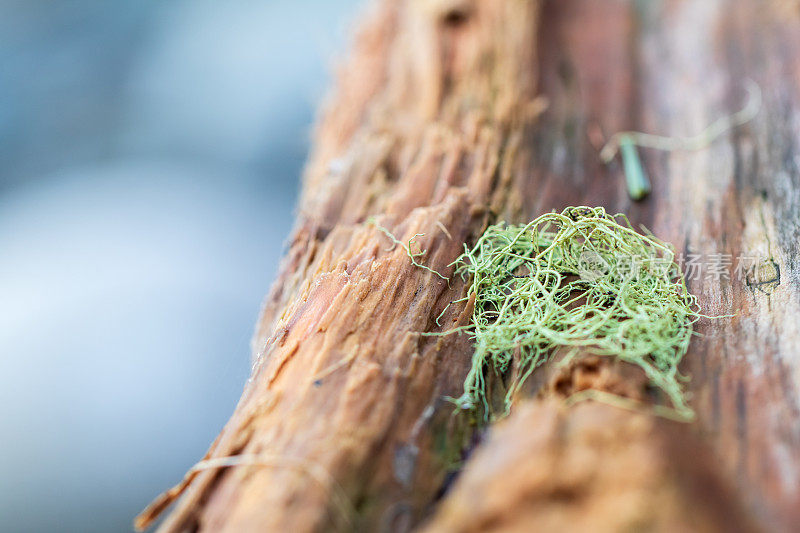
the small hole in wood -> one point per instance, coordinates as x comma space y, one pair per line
455, 17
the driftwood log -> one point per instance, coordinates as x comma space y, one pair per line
453, 114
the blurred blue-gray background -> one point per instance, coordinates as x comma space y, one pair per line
149, 161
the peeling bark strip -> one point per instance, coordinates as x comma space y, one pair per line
436, 129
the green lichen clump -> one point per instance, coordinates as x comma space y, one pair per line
579, 281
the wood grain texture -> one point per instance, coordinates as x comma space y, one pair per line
436, 128
424, 133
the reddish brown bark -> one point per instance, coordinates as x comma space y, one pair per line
436, 128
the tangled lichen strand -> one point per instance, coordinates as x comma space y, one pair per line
581, 280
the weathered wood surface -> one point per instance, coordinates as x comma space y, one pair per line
435, 128
590, 467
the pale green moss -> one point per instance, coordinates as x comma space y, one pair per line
576, 281
580, 280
